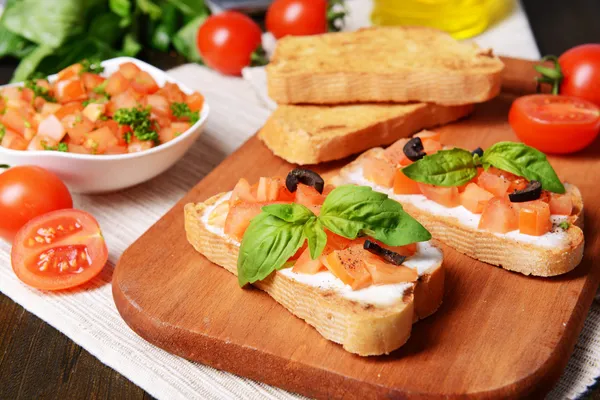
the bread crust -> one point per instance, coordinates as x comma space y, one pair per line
391, 64
314, 134
360, 328
526, 258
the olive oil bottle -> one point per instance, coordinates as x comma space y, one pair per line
461, 18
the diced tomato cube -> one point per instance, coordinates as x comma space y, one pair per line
534, 218
395, 153
379, 171
383, 273
404, 185
446, 196
91, 81
29, 133
308, 196
77, 126
561, 204
494, 183
242, 192
144, 83
93, 111
195, 101
69, 108
180, 128
137, 145
129, 70
499, 215
119, 149
166, 134
159, 105
52, 128
239, 217
348, 265
27, 95
16, 120
268, 189
78, 149
122, 100
12, 140
172, 92
431, 146
70, 72
306, 265
70, 90
116, 84
11, 93
99, 140
474, 198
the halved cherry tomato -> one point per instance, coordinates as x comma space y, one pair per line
59, 250
25, 193
555, 124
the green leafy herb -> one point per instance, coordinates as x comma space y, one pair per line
127, 137
2, 132
524, 161
101, 89
139, 121
39, 91
564, 225
60, 147
185, 39
336, 13
182, 110
92, 65
453, 167
350, 211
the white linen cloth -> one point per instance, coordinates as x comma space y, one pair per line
89, 316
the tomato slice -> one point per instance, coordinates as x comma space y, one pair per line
555, 124
59, 250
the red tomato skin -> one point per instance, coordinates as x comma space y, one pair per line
297, 17
227, 40
554, 134
581, 69
27, 192
88, 236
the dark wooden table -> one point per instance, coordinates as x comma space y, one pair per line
37, 361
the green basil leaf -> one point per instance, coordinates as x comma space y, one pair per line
351, 211
185, 40
150, 8
121, 7
316, 237
453, 167
191, 7
524, 161
267, 245
291, 212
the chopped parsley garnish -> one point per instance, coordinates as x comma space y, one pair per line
39, 91
182, 110
564, 225
101, 89
127, 137
93, 65
60, 147
2, 132
99, 100
139, 121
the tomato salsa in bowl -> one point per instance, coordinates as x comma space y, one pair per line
100, 132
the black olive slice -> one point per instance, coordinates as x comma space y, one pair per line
414, 150
478, 151
387, 255
533, 191
305, 176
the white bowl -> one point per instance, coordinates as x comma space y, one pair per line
87, 173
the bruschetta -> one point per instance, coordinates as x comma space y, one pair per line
504, 206
328, 255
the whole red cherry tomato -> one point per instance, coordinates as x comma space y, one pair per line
25, 193
297, 17
226, 41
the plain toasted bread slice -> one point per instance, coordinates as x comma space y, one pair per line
314, 134
387, 64
527, 258
363, 329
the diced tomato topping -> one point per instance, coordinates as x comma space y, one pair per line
474, 198
242, 192
383, 273
431, 146
561, 204
70, 72
195, 101
52, 128
395, 153
77, 126
70, 90
379, 171
143, 82
499, 215
180, 127
446, 196
67, 109
16, 121
129, 70
239, 217
308, 196
137, 145
99, 140
50, 108
91, 81
172, 92
78, 149
348, 265
494, 182
406, 250
12, 93
27, 95
404, 185
306, 265
116, 84
534, 218
125, 99
118, 149
13, 140
159, 105
93, 111
268, 189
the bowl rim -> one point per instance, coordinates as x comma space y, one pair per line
108, 157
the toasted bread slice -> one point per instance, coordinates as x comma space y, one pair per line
314, 134
361, 328
524, 256
391, 64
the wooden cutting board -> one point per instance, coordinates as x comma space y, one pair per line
497, 334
